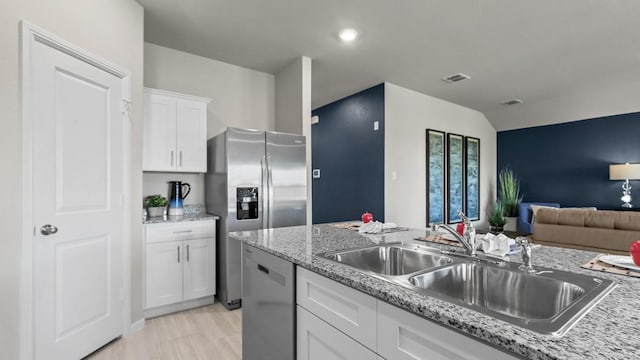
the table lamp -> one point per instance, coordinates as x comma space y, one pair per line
625, 172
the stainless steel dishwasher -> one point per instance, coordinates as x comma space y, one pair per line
268, 306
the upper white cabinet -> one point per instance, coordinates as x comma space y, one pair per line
175, 132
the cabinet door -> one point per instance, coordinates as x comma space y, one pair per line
191, 136
402, 335
164, 273
198, 278
347, 309
318, 340
159, 129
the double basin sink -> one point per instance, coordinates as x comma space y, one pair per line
546, 301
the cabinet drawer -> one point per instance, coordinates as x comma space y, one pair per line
319, 340
348, 310
180, 231
402, 335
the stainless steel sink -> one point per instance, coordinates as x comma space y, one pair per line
391, 259
548, 301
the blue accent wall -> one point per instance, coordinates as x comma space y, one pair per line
569, 163
350, 156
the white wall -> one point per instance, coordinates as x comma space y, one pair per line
241, 97
110, 29
293, 109
156, 183
407, 114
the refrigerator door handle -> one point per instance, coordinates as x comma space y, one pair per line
270, 190
263, 188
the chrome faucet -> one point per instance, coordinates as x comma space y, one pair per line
468, 239
526, 254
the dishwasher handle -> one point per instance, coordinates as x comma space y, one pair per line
263, 269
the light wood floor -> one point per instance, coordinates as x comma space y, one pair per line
209, 332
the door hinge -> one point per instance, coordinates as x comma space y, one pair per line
125, 105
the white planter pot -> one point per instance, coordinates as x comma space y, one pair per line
512, 223
155, 211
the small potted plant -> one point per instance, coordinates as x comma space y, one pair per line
497, 220
155, 205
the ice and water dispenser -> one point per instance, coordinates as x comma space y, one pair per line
247, 203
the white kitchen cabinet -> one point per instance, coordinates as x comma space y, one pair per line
318, 340
402, 335
179, 266
175, 132
198, 268
348, 310
333, 318
164, 274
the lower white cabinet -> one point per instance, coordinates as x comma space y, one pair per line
347, 309
164, 274
318, 340
179, 264
402, 335
338, 322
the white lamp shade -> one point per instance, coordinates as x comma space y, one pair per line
624, 172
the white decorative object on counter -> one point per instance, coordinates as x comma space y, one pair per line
175, 132
179, 266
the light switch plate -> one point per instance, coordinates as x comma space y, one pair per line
376, 125
316, 173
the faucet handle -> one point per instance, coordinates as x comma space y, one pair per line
522, 240
464, 218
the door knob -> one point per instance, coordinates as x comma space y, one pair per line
48, 229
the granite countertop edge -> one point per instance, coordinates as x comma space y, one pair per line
177, 219
513, 339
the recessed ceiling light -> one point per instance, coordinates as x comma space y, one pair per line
348, 35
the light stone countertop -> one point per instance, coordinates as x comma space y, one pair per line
185, 217
611, 330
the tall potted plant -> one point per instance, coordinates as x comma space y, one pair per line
510, 197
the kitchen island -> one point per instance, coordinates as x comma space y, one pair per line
611, 330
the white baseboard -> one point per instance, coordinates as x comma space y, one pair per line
181, 306
136, 326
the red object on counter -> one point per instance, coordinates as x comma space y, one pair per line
367, 217
634, 250
460, 228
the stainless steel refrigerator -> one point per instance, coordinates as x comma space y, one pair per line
255, 180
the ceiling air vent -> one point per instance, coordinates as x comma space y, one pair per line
456, 78
512, 102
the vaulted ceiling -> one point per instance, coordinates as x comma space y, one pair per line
535, 50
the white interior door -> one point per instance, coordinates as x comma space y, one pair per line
78, 190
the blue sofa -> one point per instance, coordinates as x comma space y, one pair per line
525, 213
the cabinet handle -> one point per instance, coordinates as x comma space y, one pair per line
187, 252
171, 158
178, 253
182, 231
180, 158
